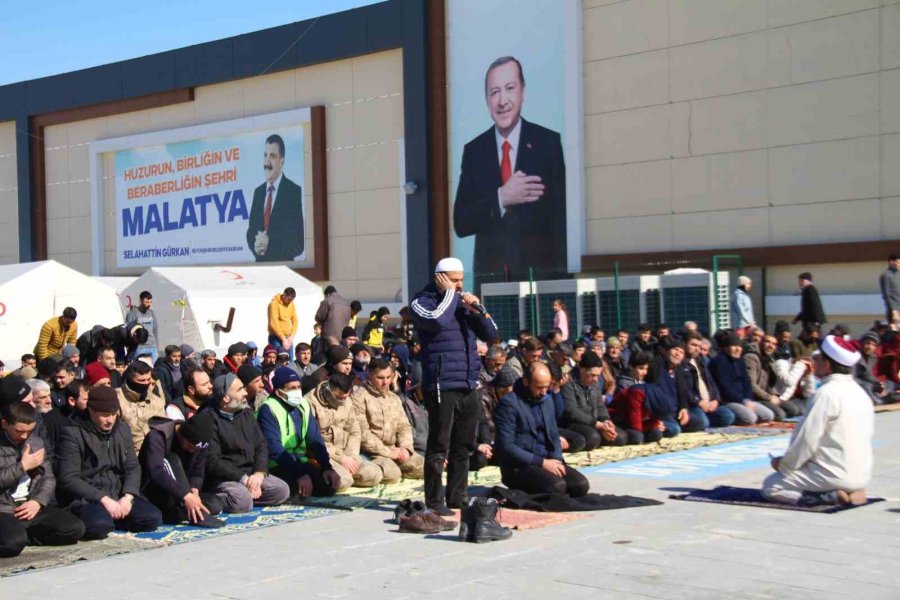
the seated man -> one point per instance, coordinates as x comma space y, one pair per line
670, 381
387, 438
489, 394
527, 444
493, 361
339, 360
569, 439
630, 409
99, 474
27, 488
585, 410
866, 371
529, 351
173, 460
198, 391
237, 460
705, 408
303, 364
829, 460
759, 358
297, 452
333, 411
252, 378
139, 400
733, 381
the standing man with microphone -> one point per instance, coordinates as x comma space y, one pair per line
448, 322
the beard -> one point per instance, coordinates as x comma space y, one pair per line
235, 406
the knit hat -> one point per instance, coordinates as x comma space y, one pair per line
270, 349
348, 332
504, 378
103, 399
730, 339
252, 345
357, 348
247, 373
871, 335
337, 354
283, 376
69, 351
840, 351
195, 431
222, 383
238, 348
590, 360
94, 372
743, 280
13, 389
186, 350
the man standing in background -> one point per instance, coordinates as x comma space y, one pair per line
283, 321
143, 314
56, 333
811, 311
889, 282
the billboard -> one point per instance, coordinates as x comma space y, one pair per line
230, 192
516, 158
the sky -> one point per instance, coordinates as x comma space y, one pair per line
47, 37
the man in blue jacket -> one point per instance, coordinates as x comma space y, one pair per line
527, 442
733, 381
448, 324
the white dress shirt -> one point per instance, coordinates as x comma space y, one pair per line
513, 140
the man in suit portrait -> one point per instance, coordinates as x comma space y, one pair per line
512, 186
275, 232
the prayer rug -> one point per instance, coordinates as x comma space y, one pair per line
887, 407
724, 494
530, 519
34, 558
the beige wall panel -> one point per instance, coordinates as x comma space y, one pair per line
728, 181
339, 126
7, 138
831, 222
345, 287
82, 132
637, 135
626, 82
728, 123
825, 110
625, 28
836, 47
834, 278
342, 258
378, 211
377, 256
890, 218
56, 137
721, 229
80, 234
218, 102
270, 93
129, 123
341, 215
594, 3
171, 117
890, 165
8, 171
629, 190
636, 234
731, 65
59, 236
9, 201
377, 75
386, 290
340, 170
696, 20
890, 101
79, 162
376, 166
57, 195
328, 84
786, 12
378, 120
56, 164
890, 37
80, 261
825, 172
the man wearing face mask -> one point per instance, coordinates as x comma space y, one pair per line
237, 459
139, 400
297, 452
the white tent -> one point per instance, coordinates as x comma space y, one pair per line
31, 293
120, 284
190, 301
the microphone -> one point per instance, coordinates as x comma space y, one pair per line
477, 307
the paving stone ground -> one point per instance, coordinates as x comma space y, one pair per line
678, 550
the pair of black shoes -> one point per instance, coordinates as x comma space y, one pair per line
415, 517
479, 522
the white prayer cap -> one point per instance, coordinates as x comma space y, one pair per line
744, 280
449, 265
840, 351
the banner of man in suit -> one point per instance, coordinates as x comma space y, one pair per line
515, 127
222, 199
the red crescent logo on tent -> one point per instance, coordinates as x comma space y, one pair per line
128, 297
2, 309
235, 276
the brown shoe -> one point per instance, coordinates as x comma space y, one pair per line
433, 517
418, 523
856, 497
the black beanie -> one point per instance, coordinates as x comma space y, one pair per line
590, 360
247, 373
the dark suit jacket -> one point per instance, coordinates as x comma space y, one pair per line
528, 235
811, 310
517, 442
285, 222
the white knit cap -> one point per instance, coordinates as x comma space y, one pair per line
744, 280
840, 351
449, 265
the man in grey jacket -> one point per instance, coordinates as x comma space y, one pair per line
143, 315
890, 288
27, 486
742, 307
333, 315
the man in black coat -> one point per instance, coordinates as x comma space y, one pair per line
811, 310
275, 230
99, 476
512, 185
